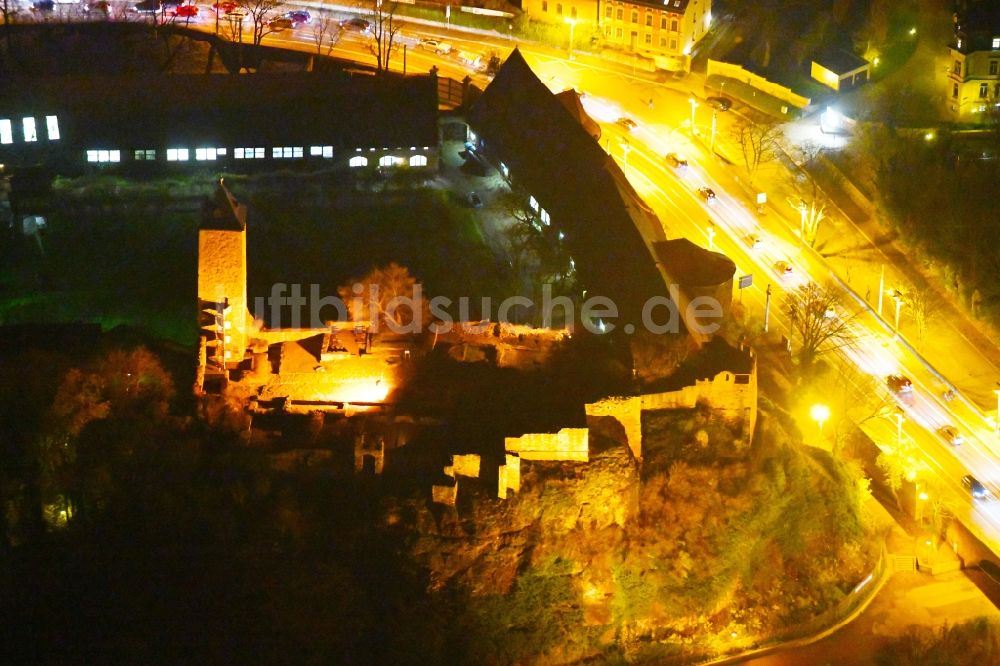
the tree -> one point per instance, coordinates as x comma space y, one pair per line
383, 31
812, 315
812, 208
535, 245
758, 141
921, 308
388, 295
326, 34
261, 13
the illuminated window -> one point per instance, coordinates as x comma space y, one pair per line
996, 42
984, 90
30, 132
533, 202
504, 170
544, 216
6, 131
954, 90
248, 153
993, 67
418, 160
205, 154
321, 151
358, 161
286, 152
52, 127
104, 156
178, 155
145, 155
386, 161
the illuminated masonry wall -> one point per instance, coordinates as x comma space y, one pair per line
732, 396
461, 465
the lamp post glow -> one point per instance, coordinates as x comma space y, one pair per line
572, 25
820, 414
625, 150
694, 105
711, 235
899, 429
897, 296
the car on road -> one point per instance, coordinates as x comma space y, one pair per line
474, 200
626, 124
224, 7
899, 384
43, 6
436, 45
298, 17
951, 435
720, 103
356, 24
707, 193
754, 241
185, 11
148, 6
783, 268
281, 23
676, 161
975, 488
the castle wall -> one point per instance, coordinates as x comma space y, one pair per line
567, 444
628, 412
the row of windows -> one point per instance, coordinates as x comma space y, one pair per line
277, 152
984, 91
956, 67
647, 38
620, 15
559, 8
29, 129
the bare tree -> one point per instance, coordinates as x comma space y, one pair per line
812, 314
922, 308
758, 141
388, 295
383, 31
812, 206
260, 13
326, 34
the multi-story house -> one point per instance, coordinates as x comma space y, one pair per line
662, 30
974, 72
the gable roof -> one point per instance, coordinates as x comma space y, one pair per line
608, 229
840, 61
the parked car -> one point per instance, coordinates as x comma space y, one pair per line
754, 241
676, 161
975, 488
707, 193
899, 384
720, 103
474, 200
298, 17
951, 435
185, 11
43, 6
626, 124
436, 45
356, 24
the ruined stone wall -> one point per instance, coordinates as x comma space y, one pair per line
627, 411
567, 444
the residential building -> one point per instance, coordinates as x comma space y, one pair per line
562, 11
974, 72
664, 30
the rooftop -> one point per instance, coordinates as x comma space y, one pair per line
839, 61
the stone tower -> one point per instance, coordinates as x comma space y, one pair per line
224, 318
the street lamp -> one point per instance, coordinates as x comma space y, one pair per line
572, 25
625, 150
899, 429
694, 105
897, 296
711, 146
711, 235
820, 414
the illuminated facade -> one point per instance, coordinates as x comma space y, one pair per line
664, 30
974, 70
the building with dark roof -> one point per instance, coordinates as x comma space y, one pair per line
174, 121
974, 75
574, 185
839, 69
